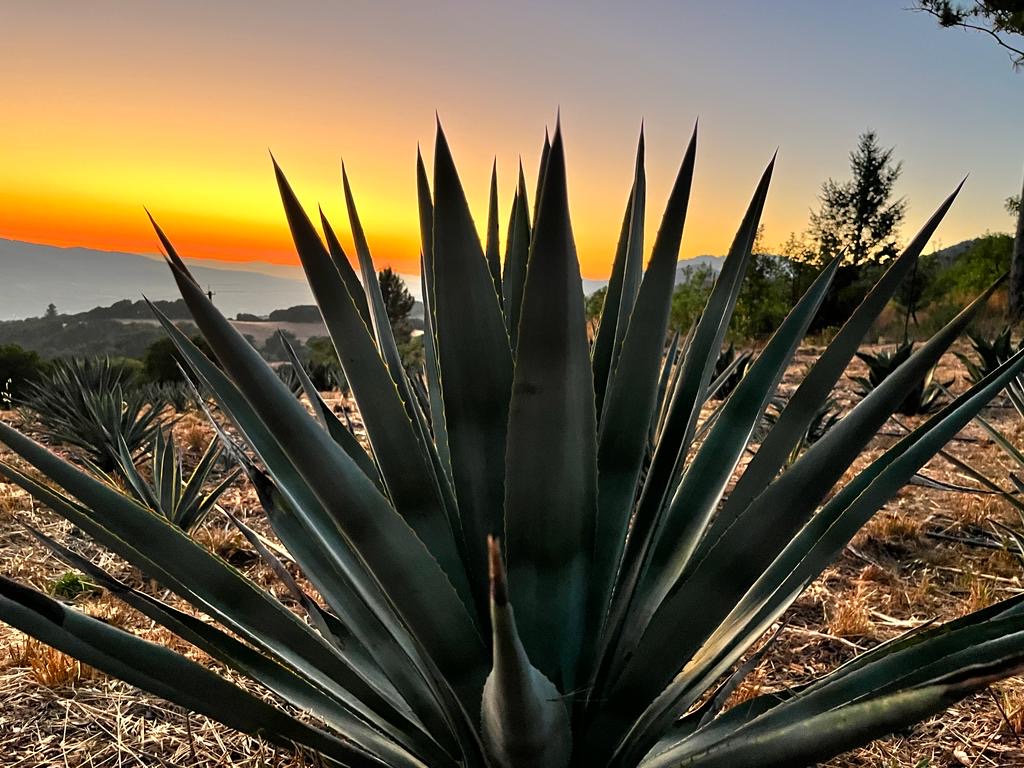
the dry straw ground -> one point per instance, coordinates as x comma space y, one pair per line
929, 555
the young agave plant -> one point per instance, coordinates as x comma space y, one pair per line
183, 499
516, 574
991, 351
923, 398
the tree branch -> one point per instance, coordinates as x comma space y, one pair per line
1016, 54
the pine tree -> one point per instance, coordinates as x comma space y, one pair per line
398, 303
859, 217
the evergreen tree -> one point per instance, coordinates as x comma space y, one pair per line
860, 219
594, 307
398, 303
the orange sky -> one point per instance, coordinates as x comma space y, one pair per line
111, 106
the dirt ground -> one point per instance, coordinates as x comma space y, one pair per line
927, 555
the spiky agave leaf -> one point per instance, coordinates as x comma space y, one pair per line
639, 582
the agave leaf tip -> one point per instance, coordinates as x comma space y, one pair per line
496, 567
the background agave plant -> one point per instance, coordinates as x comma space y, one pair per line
185, 500
92, 405
924, 397
729, 371
990, 352
536, 562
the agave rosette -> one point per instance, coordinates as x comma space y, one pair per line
535, 561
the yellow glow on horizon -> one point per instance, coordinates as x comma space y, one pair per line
235, 215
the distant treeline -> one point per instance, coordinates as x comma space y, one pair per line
82, 336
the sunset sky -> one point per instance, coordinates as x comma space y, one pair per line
110, 106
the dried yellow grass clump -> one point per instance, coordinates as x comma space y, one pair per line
850, 616
50, 668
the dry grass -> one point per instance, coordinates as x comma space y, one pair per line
50, 668
850, 615
917, 560
192, 433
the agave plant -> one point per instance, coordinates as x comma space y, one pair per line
183, 499
179, 395
990, 352
288, 374
823, 419
924, 397
513, 574
729, 371
91, 405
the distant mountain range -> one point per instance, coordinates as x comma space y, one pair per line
78, 279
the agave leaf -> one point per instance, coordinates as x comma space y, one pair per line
818, 544
922, 664
541, 170
399, 654
809, 741
303, 524
389, 548
143, 490
712, 588
917, 658
389, 350
705, 480
551, 455
338, 431
665, 382
493, 248
167, 554
681, 418
722, 378
332, 628
697, 368
665, 402
407, 474
604, 342
160, 671
475, 363
821, 379
633, 266
437, 418
344, 267
630, 405
517, 251
330, 560
763, 528
524, 719
1003, 609
221, 646
381, 323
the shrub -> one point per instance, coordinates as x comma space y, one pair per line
985, 261
18, 367
161, 363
